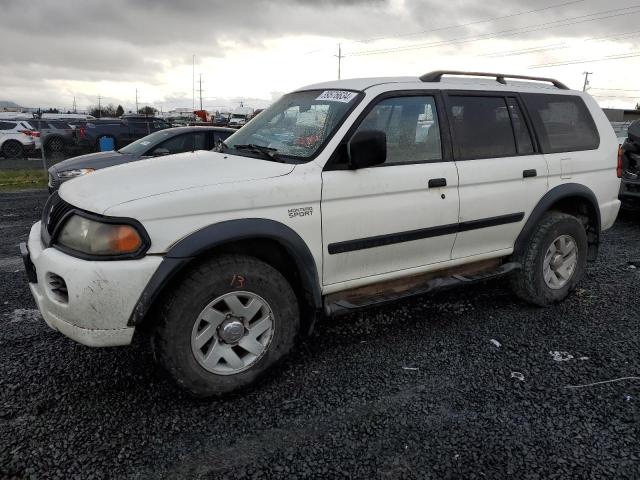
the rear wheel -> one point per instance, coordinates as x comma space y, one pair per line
553, 260
13, 149
226, 324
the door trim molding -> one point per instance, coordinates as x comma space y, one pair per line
421, 233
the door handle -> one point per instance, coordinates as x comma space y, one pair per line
529, 173
437, 182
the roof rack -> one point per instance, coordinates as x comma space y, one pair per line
500, 77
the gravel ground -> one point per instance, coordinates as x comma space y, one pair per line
426, 388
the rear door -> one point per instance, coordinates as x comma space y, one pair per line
502, 174
399, 215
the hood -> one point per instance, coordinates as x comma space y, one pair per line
106, 188
93, 160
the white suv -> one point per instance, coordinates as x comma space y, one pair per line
17, 138
340, 196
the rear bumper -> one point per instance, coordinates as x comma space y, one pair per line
100, 295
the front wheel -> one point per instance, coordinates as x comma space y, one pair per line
229, 320
553, 260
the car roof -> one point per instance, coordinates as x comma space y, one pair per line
195, 128
460, 80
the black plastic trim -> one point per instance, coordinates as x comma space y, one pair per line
500, 77
411, 235
554, 195
221, 233
146, 241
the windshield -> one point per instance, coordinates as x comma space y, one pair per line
297, 125
145, 143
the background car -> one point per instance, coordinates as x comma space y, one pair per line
123, 130
17, 138
158, 144
55, 135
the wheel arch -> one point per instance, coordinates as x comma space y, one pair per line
574, 199
268, 240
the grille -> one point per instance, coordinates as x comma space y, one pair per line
54, 211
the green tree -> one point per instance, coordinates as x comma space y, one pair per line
147, 110
119, 111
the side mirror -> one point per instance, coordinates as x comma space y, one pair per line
160, 152
367, 148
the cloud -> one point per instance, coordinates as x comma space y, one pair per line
147, 41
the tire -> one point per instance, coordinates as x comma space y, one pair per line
181, 321
13, 149
555, 229
55, 145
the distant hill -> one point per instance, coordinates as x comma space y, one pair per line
7, 104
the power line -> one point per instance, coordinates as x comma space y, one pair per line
454, 26
468, 24
587, 60
602, 15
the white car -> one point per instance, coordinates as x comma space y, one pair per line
17, 138
340, 196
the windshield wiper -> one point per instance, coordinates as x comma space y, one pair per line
267, 152
221, 146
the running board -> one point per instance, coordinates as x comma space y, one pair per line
379, 294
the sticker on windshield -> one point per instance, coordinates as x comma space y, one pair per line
337, 96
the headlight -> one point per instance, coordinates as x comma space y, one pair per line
97, 238
75, 173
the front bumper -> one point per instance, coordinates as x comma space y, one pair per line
100, 295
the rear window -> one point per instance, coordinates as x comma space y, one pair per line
481, 127
563, 122
7, 125
60, 125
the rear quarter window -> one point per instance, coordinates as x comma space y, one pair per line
563, 123
7, 125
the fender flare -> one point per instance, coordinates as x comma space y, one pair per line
554, 195
207, 238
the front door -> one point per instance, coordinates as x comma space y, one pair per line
398, 215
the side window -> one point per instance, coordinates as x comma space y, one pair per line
481, 127
220, 137
563, 122
60, 125
520, 130
412, 128
186, 142
7, 125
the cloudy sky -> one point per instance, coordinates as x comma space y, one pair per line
253, 50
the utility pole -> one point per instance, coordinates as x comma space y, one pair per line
586, 80
339, 57
193, 83
200, 91
99, 107
137, 111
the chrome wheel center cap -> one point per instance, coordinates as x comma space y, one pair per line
556, 261
231, 331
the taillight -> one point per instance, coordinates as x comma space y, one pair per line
31, 133
619, 167
81, 132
